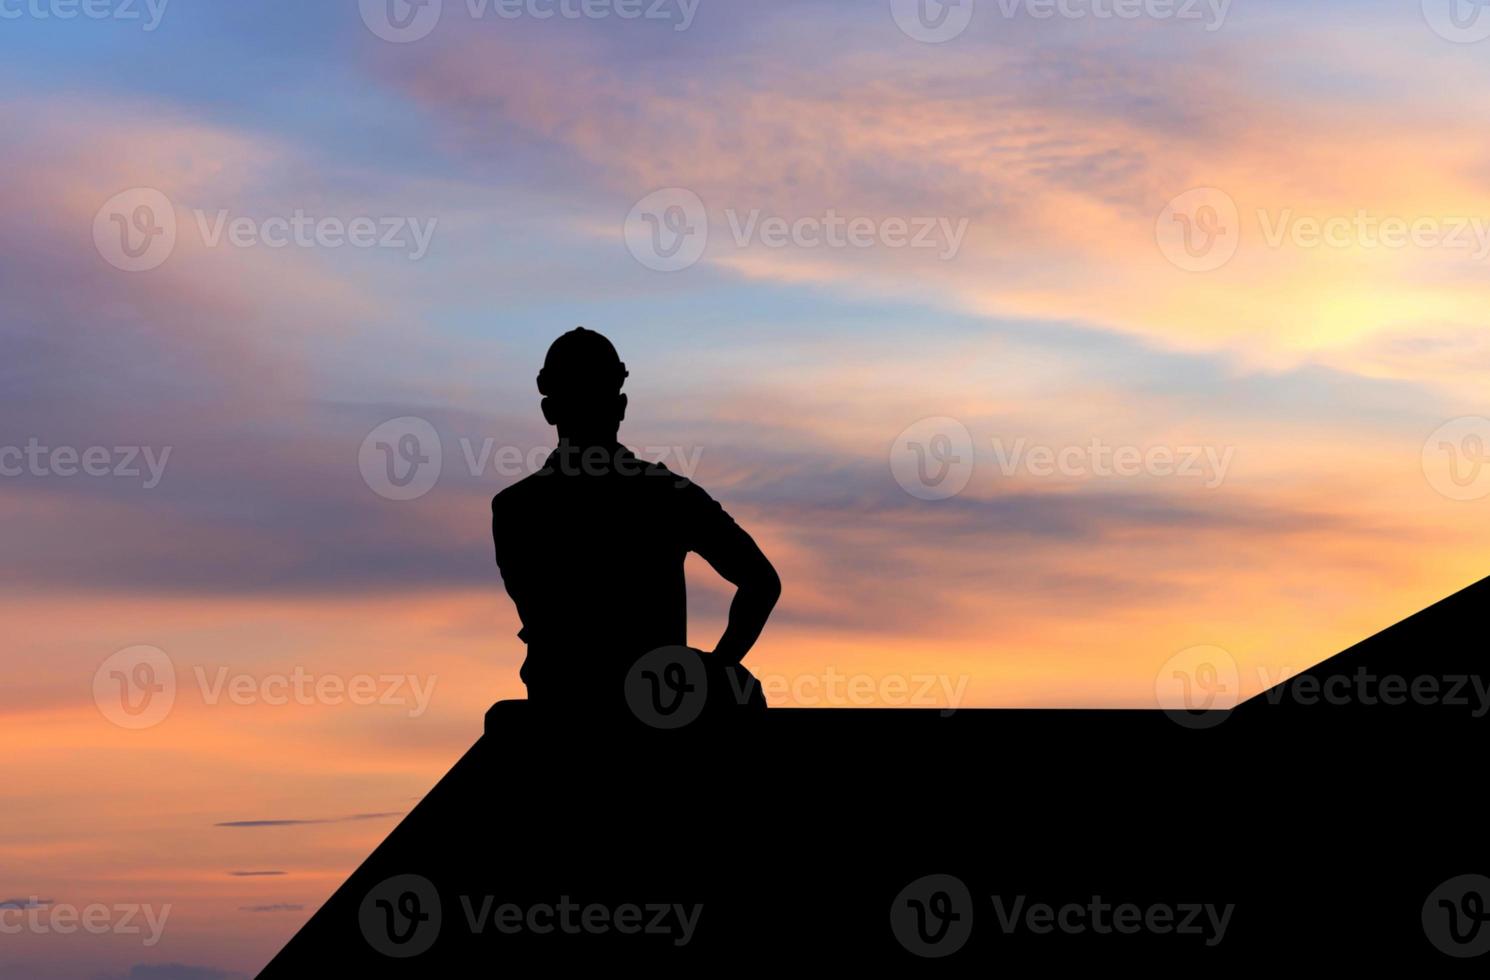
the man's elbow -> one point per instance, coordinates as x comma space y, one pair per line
768, 586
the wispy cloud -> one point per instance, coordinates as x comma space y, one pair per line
301, 823
176, 971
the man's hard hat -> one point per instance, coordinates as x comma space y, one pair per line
581, 362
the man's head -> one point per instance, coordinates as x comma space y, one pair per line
581, 387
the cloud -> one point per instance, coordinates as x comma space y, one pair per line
301, 823
176, 971
1060, 143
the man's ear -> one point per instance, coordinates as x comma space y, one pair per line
622, 403
548, 411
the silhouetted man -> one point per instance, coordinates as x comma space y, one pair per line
591, 547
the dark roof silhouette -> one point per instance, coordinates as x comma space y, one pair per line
1441, 641
875, 837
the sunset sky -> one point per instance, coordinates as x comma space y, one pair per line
1017, 311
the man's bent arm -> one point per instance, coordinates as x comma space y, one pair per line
740, 561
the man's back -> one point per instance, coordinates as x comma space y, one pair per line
591, 548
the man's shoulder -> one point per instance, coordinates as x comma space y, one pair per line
520, 494
658, 478
645, 475
650, 478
